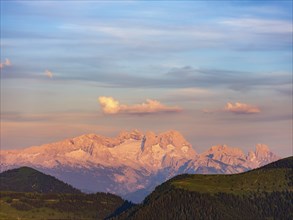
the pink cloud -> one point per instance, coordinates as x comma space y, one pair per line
5, 63
49, 74
241, 108
112, 106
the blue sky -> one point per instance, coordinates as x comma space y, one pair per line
190, 58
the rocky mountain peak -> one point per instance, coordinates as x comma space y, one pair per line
251, 156
93, 140
164, 139
91, 136
218, 148
134, 134
224, 149
261, 149
86, 138
261, 156
223, 153
149, 139
264, 155
172, 137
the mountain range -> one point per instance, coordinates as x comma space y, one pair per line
133, 163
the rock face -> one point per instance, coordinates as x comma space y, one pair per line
261, 156
132, 163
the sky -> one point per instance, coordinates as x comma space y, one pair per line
219, 72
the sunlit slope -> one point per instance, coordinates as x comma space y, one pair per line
264, 193
277, 176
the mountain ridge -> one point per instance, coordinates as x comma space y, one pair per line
131, 162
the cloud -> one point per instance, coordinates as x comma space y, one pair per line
245, 34
109, 105
112, 106
5, 63
49, 74
236, 80
178, 78
241, 108
256, 25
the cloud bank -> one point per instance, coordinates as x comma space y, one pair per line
241, 108
111, 106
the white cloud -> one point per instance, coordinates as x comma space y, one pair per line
112, 106
109, 105
49, 74
241, 108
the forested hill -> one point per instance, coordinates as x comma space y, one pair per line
264, 193
26, 179
26, 193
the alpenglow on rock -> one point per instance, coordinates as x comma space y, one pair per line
131, 164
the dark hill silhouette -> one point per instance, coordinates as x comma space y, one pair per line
26, 179
26, 193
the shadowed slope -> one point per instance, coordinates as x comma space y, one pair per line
26, 193
26, 179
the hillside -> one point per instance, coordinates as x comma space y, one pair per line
26, 179
264, 193
277, 176
28, 194
36, 206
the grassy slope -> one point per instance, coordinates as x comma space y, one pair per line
9, 213
277, 176
36, 206
268, 180
28, 194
